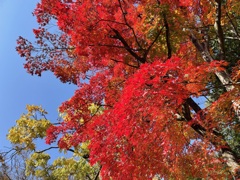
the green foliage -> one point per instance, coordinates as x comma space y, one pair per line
38, 165
232, 136
28, 128
32, 126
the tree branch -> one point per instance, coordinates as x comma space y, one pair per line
55, 147
150, 46
169, 48
193, 105
128, 25
125, 63
227, 153
127, 47
218, 28
223, 76
96, 177
108, 45
234, 27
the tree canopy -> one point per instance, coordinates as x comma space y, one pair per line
27, 160
140, 67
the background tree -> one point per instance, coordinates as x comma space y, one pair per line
25, 161
13, 164
142, 63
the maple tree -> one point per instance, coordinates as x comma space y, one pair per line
143, 64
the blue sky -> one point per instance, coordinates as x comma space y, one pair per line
17, 88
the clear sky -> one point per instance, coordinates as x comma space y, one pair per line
17, 88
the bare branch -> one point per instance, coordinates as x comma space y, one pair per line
128, 25
56, 147
127, 47
169, 48
96, 177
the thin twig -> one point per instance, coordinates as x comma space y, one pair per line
128, 25
56, 147
125, 63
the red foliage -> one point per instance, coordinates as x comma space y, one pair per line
116, 52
